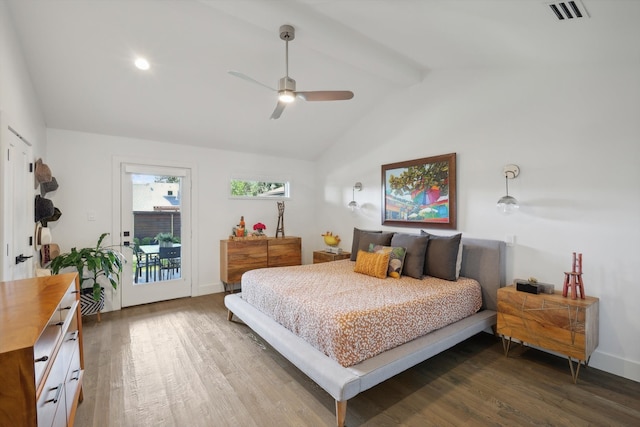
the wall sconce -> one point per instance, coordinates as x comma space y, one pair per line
507, 204
353, 205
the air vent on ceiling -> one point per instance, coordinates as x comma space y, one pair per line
565, 10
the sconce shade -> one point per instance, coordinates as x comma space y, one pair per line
353, 205
507, 204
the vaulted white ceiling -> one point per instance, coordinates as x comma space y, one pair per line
80, 56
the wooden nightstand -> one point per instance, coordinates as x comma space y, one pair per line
550, 321
324, 256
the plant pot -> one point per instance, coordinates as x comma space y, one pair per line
88, 305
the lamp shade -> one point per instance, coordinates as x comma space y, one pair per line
508, 205
353, 205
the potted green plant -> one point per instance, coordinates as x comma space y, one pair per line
166, 239
92, 264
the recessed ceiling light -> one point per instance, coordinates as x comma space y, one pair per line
142, 63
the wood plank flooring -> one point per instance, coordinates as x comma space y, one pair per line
181, 363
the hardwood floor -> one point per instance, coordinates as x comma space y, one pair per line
181, 363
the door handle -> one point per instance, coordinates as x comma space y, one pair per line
21, 258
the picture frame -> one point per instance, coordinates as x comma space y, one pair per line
420, 192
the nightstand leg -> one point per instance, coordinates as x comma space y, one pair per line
574, 375
505, 345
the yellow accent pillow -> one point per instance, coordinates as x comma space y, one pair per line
372, 264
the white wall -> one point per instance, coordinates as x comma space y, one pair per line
18, 99
82, 164
20, 110
575, 134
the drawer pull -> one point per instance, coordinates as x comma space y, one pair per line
57, 396
74, 337
77, 376
65, 308
75, 292
42, 359
59, 323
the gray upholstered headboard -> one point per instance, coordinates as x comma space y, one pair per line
484, 260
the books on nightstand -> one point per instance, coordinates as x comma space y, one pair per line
533, 287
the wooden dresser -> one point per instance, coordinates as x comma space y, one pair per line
550, 321
240, 256
41, 356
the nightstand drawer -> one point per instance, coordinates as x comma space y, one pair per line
323, 256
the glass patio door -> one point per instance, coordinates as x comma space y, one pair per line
155, 214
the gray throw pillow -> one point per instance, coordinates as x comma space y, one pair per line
416, 251
442, 256
355, 244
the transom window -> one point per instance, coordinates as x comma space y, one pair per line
259, 188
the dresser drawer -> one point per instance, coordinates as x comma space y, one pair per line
52, 395
285, 251
73, 381
70, 342
43, 349
68, 303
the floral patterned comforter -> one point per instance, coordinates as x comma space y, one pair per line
351, 317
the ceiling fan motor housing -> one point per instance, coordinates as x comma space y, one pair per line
287, 83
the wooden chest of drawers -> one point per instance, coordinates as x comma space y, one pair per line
41, 356
240, 256
550, 321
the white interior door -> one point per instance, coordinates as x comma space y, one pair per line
17, 205
155, 202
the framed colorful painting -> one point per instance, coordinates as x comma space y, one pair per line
420, 193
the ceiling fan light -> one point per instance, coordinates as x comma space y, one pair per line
142, 63
287, 96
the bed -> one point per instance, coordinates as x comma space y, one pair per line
482, 260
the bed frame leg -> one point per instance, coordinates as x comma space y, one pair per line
341, 412
229, 315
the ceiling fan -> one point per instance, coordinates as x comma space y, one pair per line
287, 86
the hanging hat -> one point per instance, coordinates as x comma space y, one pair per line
43, 208
48, 252
42, 172
42, 236
47, 187
56, 216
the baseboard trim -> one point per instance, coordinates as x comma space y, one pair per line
210, 288
615, 365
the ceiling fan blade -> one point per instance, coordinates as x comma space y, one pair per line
326, 95
249, 79
278, 111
